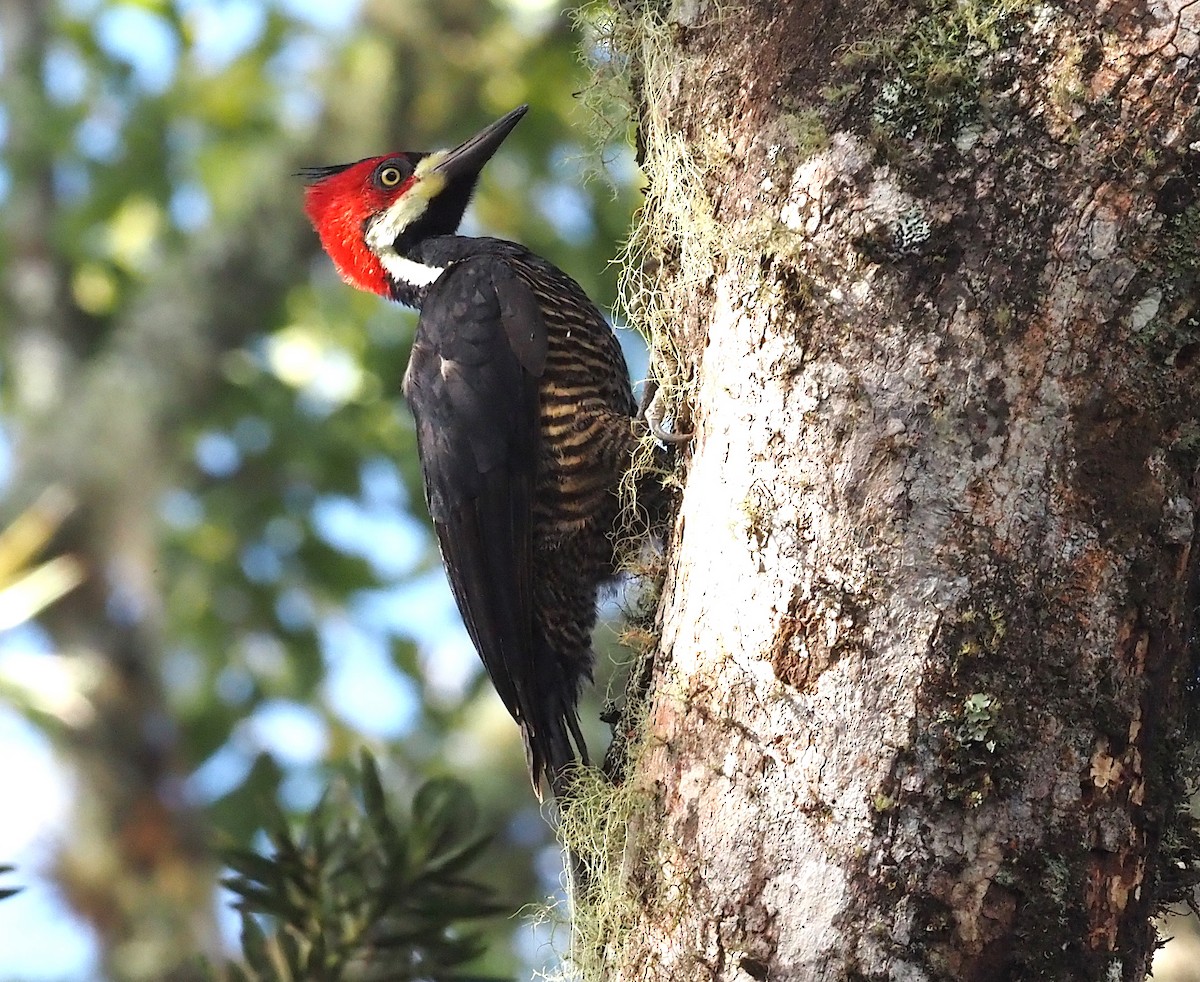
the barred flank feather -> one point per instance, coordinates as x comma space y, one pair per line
524, 411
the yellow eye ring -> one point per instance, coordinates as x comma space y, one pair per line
389, 177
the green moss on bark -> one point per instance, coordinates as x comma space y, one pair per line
931, 79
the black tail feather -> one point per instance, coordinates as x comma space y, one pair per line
554, 750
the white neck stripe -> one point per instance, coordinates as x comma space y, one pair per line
406, 209
383, 232
409, 271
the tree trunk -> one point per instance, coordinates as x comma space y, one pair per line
925, 289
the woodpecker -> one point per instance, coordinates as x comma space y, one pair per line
525, 421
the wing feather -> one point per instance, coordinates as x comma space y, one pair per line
472, 385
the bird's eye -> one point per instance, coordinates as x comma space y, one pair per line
389, 176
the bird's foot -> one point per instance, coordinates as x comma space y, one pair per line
654, 414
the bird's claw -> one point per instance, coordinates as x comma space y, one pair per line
654, 414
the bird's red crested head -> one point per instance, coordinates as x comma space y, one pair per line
371, 214
342, 201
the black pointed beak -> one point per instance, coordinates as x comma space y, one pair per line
467, 159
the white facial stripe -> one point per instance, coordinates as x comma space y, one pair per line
429, 162
408, 270
383, 232
408, 207
388, 226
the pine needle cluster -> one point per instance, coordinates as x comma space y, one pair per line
7, 891
361, 893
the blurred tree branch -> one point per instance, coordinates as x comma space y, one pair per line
26, 590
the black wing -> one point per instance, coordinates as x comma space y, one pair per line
472, 384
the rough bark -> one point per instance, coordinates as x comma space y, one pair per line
918, 707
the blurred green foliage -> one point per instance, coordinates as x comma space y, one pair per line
179, 355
